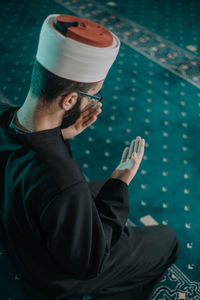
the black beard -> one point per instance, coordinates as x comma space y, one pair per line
72, 115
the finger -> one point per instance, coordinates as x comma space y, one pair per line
89, 122
96, 108
139, 146
91, 113
98, 112
136, 144
91, 107
91, 100
135, 157
88, 106
96, 103
124, 155
131, 148
92, 103
141, 153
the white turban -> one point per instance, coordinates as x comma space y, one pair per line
85, 53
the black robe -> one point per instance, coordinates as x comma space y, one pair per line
62, 241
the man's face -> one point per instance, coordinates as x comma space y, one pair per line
72, 115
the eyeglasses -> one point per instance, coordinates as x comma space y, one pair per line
91, 96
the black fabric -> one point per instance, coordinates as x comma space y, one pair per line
65, 236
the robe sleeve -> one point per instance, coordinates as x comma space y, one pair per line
80, 233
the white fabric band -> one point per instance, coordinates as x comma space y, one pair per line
71, 59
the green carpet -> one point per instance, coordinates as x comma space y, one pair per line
152, 90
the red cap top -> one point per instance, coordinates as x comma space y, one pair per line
87, 32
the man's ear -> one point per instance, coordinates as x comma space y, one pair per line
69, 101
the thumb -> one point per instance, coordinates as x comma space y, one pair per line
124, 155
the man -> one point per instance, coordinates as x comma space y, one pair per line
66, 236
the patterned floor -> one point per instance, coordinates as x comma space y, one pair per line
152, 90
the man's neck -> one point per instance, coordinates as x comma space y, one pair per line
16, 122
31, 117
26, 115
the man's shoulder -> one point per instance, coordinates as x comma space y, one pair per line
50, 173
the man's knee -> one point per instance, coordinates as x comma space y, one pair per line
169, 238
169, 234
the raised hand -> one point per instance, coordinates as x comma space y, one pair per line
130, 161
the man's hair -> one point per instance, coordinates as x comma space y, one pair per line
47, 86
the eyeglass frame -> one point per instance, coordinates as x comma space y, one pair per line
91, 96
